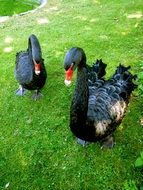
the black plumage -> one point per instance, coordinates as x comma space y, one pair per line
30, 71
98, 105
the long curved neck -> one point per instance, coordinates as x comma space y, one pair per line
79, 104
34, 48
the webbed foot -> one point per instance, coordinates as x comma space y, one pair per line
108, 142
20, 91
37, 95
82, 142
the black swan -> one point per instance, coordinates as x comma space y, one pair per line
98, 105
30, 71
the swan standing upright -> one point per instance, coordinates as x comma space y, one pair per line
98, 106
30, 71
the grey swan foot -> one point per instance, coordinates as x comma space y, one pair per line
82, 142
37, 95
108, 142
20, 91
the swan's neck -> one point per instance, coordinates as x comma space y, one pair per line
34, 49
79, 104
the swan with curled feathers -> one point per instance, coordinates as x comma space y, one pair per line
30, 71
98, 105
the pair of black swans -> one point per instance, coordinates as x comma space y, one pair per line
97, 106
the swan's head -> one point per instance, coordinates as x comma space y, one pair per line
74, 58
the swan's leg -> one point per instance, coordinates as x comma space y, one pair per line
82, 142
37, 95
108, 142
20, 91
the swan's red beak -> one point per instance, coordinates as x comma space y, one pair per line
68, 78
37, 67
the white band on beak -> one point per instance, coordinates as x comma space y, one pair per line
37, 72
67, 82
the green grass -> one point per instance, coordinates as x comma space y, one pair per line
10, 7
37, 149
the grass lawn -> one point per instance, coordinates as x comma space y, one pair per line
10, 7
37, 149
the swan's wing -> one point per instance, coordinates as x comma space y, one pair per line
107, 104
24, 68
106, 108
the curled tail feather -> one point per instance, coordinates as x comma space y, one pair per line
99, 67
96, 71
124, 79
